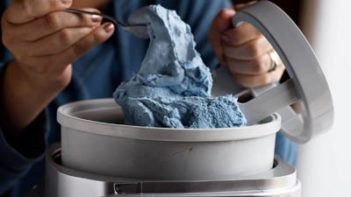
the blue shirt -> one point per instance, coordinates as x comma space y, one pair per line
96, 75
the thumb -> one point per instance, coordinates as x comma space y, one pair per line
221, 23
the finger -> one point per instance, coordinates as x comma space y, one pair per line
240, 35
52, 23
251, 81
22, 11
257, 66
221, 23
60, 61
249, 50
56, 43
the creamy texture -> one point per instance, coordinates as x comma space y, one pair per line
173, 86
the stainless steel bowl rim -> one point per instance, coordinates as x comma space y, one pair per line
67, 118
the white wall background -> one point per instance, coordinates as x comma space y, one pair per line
325, 162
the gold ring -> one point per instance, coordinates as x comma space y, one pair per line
275, 61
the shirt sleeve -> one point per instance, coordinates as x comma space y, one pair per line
17, 155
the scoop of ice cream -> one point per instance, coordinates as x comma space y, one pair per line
172, 87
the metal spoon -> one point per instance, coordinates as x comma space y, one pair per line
137, 30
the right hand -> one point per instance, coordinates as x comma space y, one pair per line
45, 40
244, 51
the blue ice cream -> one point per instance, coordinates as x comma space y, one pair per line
173, 86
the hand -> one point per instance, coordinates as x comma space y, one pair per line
245, 51
45, 40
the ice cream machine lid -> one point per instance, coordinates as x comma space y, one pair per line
307, 82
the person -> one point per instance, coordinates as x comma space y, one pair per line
49, 57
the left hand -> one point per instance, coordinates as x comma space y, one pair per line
245, 51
